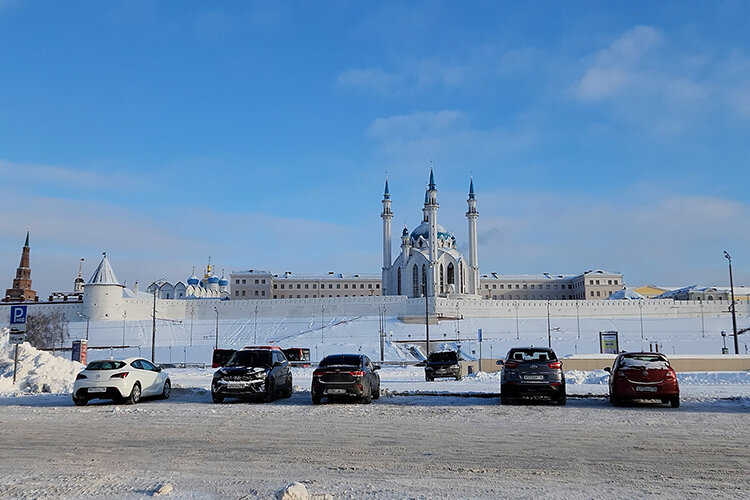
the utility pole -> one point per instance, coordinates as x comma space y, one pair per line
734, 317
426, 318
216, 341
153, 326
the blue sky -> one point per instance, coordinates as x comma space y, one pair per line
599, 134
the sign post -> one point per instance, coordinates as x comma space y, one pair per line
479, 336
17, 332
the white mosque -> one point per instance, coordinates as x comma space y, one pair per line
429, 262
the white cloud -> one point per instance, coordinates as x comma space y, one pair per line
649, 80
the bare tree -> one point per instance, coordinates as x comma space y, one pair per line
47, 331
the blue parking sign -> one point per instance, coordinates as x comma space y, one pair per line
17, 315
479, 334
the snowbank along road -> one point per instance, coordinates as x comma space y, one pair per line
398, 447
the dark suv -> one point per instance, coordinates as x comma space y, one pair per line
532, 372
442, 364
253, 373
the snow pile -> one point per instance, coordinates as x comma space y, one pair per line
38, 371
596, 377
714, 378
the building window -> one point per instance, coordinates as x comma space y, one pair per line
236, 293
274, 286
307, 286
369, 285
243, 293
415, 281
486, 287
282, 286
263, 281
256, 282
377, 285
315, 287
338, 286
244, 282
494, 287
524, 286
517, 286
597, 282
501, 287
298, 287
592, 293
361, 285
256, 293
236, 282
263, 293
532, 286
346, 285
598, 294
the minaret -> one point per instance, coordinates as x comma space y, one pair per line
471, 215
432, 208
21, 291
387, 215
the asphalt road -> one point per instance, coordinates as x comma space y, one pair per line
398, 447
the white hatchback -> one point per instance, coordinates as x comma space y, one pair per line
124, 380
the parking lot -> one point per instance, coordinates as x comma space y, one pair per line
416, 446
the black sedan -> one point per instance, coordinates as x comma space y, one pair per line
346, 376
532, 372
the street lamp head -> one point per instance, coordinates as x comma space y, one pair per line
726, 254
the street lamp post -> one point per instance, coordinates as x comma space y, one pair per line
578, 320
124, 318
216, 337
518, 333
734, 317
192, 313
426, 317
87, 324
255, 335
153, 322
322, 325
549, 329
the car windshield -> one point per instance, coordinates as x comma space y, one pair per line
451, 356
105, 365
250, 358
531, 355
341, 359
653, 361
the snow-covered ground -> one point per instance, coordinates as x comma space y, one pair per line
442, 439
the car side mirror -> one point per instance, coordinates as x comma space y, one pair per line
277, 363
500, 362
376, 367
608, 369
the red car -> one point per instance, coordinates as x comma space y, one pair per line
643, 375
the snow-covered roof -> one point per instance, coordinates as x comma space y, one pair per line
104, 275
679, 291
625, 294
528, 277
327, 276
252, 271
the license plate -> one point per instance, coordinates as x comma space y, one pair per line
335, 391
645, 389
97, 389
236, 385
533, 377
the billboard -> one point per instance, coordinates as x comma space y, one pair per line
609, 342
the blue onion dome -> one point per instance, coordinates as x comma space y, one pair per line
193, 280
213, 279
423, 230
223, 281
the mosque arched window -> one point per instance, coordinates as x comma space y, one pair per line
398, 291
415, 281
442, 279
451, 274
424, 279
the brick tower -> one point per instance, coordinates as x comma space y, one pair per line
21, 291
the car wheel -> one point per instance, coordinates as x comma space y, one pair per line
428, 378
458, 377
562, 399
505, 400
615, 400
367, 398
316, 400
675, 402
166, 390
135, 395
216, 398
270, 391
288, 390
80, 401
376, 393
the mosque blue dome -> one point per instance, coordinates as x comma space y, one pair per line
423, 230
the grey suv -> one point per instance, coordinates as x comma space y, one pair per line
533, 372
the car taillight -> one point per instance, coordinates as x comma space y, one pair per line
670, 374
511, 364
358, 373
317, 373
120, 375
555, 365
81, 376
